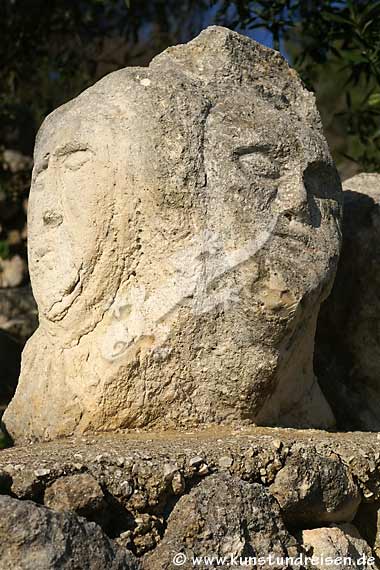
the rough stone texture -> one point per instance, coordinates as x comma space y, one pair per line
152, 482
34, 537
225, 517
313, 490
184, 224
79, 493
348, 337
339, 542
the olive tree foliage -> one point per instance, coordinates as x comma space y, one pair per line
335, 45
50, 50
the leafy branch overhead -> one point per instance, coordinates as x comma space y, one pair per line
52, 50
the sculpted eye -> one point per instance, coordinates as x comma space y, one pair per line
255, 159
76, 159
41, 166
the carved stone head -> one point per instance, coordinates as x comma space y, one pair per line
184, 228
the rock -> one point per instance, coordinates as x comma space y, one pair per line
225, 517
342, 544
32, 536
12, 271
368, 521
183, 287
18, 312
315, 490
18, 320
348, 338
141, 497
79, 493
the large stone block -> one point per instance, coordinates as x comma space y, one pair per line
184, 225
348, 337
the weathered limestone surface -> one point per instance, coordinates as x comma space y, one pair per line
348, 338
211, 492
184, 225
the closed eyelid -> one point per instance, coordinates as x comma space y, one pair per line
77, 158
252, 149
73, 159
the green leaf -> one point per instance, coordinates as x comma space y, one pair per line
374, 100
338, 19
4, 249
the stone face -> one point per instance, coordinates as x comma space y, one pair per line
348, 338
224, 517
34, 537
338, 542
183, 230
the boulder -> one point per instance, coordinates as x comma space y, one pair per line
79, 493
184, 227
205, 493
348, 335
32, 536
340, 547
314, 490
225, 518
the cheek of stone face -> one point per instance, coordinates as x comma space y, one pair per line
86, 188
67, 205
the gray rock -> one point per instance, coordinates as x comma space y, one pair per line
34, 537
79, 493
314, 490
183, 287
224, 517
142, 496
348, 339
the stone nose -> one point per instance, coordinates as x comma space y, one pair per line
293, 198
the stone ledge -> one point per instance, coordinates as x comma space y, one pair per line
313, 478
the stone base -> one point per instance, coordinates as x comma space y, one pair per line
148, 497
